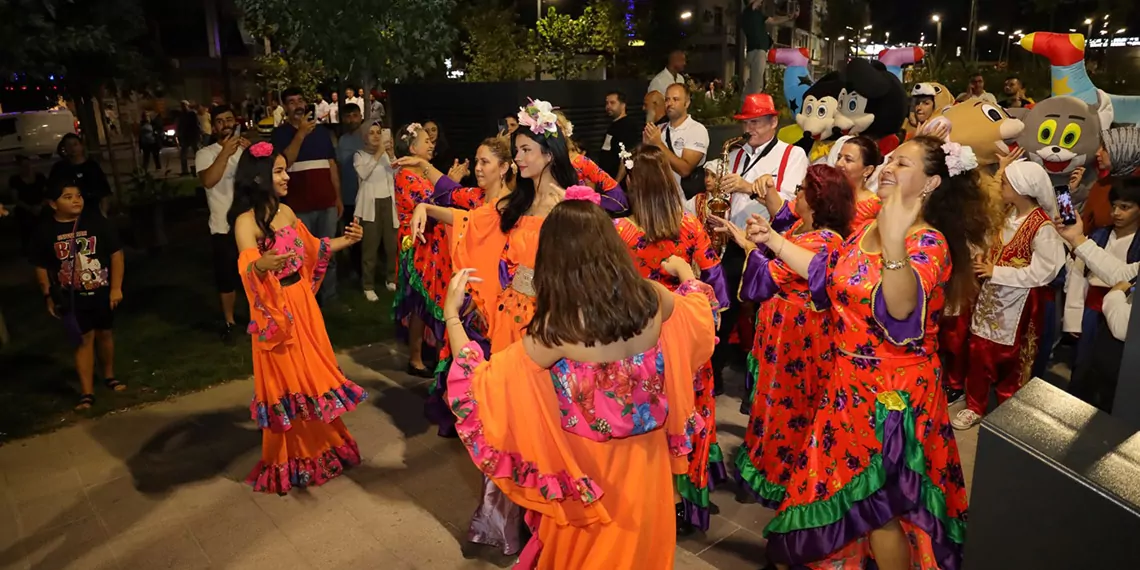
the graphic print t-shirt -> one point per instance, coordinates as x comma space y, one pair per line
88, 270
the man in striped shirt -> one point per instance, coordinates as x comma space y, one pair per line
314, 181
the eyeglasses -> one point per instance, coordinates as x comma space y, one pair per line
799, 188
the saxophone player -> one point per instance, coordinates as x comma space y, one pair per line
761, 153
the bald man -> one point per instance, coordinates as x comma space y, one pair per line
654, 105
684, 140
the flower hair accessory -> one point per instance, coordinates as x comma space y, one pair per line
959, 158
583, 193
625, 156
261, 149
411, 130
568, 128
539, 117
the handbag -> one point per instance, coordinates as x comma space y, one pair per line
67, 312
694, 183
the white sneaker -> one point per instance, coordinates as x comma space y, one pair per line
371, 296
965, 419
391, 287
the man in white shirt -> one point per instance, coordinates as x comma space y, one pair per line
322, 109
671, 74
334, 109
684, 140
350, 97
278, 114
762, 153
216, 165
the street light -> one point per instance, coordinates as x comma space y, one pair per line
867, 27
686, 15
983, 28
1001, 33
1121, 31
841, 38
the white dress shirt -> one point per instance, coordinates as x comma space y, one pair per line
322, 112
664, 79
358, 101
1089, 255
743, 161
377, 180
1117, 310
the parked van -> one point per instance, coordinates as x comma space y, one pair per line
35, 132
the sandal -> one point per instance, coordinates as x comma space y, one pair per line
85, 402
114, 384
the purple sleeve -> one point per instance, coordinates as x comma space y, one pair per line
756, 283
906, 331
442, 194
614, 201
714, 277
504, 274
783, 219
817, 281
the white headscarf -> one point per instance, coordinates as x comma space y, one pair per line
1030, 179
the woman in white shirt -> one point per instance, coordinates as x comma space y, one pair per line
376, 208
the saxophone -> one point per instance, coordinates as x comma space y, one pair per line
717, 201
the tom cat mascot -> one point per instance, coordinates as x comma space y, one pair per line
1063, 134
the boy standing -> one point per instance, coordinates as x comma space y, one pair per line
79, 267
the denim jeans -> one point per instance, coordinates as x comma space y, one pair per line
322, 224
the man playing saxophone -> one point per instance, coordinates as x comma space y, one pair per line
761, 153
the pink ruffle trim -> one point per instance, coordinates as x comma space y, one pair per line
304, 471
279, 416
324, 254
682, 445
498, 464
701, 288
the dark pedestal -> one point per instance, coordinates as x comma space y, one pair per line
1056, 486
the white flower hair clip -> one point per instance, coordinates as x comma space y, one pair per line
568, 128
625, 156
959, 158
539, 117
411, 130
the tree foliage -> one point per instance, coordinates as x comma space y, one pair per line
566, 47
277, 74
390, 40
496, 45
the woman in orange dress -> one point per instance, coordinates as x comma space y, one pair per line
568, 421
501, 239
590, 174
495, 178
658, 229
299, 391
792, 353
879, 475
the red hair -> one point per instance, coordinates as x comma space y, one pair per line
829, 195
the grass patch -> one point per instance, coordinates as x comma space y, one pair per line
166, 336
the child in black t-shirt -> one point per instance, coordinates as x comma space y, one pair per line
79, 266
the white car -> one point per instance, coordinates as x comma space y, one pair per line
35, 132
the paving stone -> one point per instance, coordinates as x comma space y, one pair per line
79, 544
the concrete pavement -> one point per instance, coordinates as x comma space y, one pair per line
161, 487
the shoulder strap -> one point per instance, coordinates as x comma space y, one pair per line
783, 165
669, 137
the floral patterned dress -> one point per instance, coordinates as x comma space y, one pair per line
592, 175
425, 268
791, 360
880, 446
706, 462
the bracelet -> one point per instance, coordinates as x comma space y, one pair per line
895, 265
782, 242
449, 319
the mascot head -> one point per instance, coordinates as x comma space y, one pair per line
817, 116
872, 102
1061, 134
981, 125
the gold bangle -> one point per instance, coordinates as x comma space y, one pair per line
895, 265
449, 319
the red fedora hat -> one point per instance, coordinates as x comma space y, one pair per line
757, 105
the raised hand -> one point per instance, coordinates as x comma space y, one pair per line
459, 171
419, 222
1075, 178
758, 231
1007, 158
410, 162
353, 233
896, 218
763, 186
271, 261
726, 227
1073, 234
457, 290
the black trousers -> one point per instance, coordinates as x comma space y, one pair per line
732, 265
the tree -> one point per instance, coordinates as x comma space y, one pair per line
356, 40
277, 73
567, 47
496, 45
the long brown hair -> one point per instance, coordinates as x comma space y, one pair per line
587, 290
960, 209
654, 199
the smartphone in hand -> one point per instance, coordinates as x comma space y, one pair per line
1065, 206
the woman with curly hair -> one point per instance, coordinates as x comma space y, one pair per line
299, 391
792, 354
880, 475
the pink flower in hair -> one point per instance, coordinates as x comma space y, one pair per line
261, 149
583, 193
